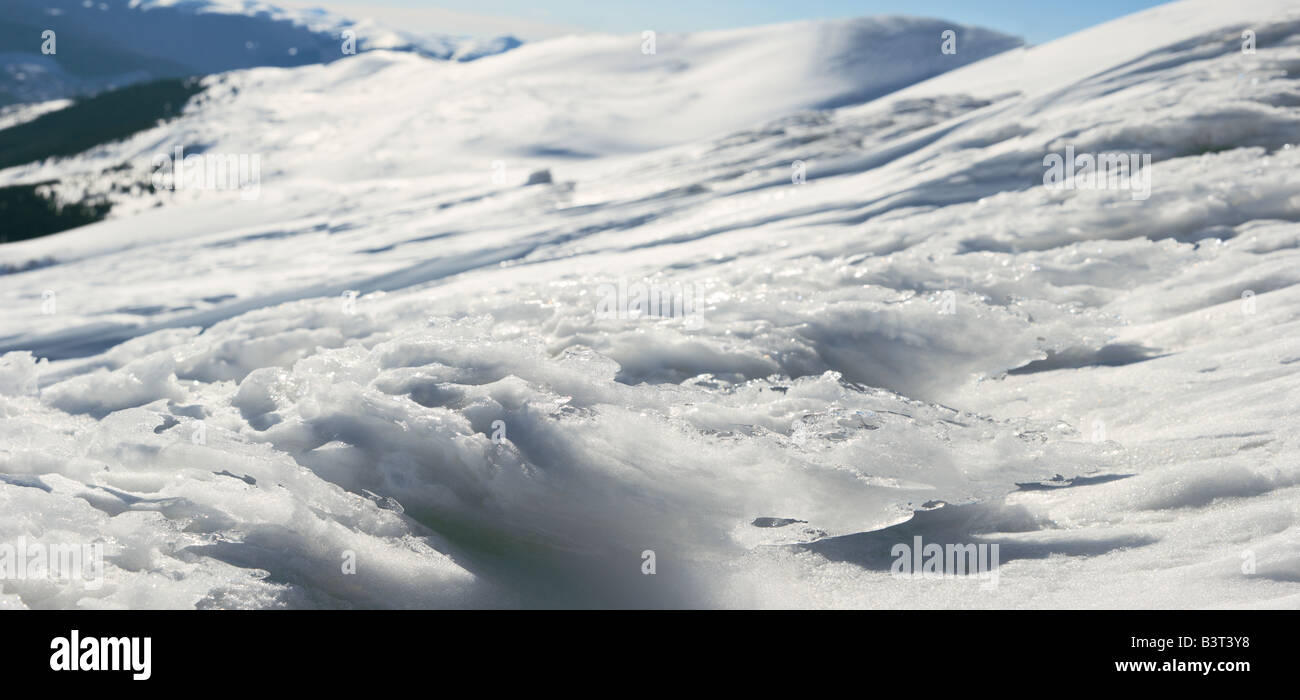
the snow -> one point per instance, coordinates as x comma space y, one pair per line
238, 395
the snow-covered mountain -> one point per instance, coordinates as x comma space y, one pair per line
414, 346
100, 44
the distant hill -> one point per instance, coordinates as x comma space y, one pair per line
111, 43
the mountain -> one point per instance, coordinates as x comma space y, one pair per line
107, 43
567, 99
422, 336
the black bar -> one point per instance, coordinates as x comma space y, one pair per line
944, 649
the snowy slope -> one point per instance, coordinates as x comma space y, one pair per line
345, 344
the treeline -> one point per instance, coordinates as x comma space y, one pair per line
91, 121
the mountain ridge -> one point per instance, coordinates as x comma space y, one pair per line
112, 43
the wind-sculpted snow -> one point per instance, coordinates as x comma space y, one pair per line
887, 326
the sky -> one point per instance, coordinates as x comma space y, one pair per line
1037, 21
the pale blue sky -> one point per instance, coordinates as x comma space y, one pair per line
1037, 21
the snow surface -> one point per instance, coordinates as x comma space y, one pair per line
1102, 403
